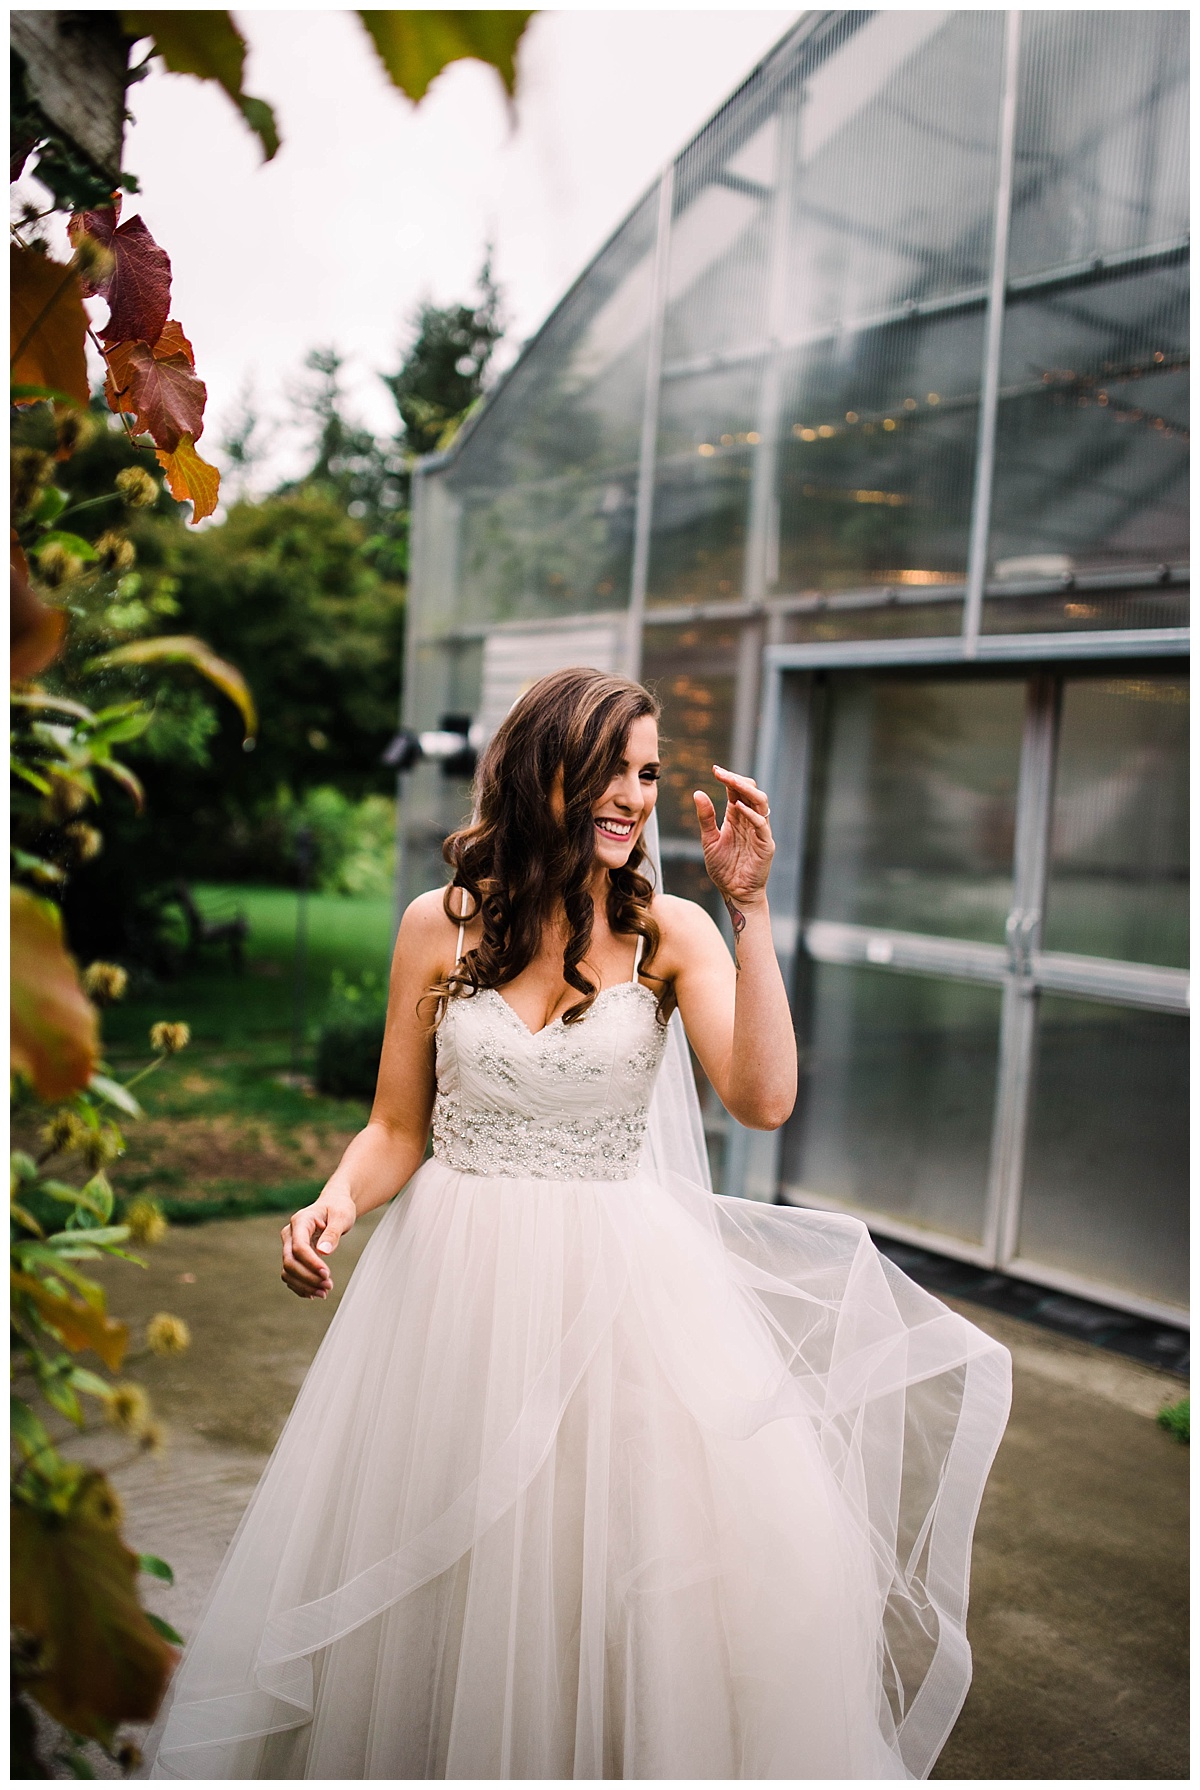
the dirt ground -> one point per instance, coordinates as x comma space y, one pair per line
1079, 1604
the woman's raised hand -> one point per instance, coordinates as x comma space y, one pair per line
738, 853
310, 1236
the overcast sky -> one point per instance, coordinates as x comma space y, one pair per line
372, 204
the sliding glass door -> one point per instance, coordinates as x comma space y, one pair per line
991, 996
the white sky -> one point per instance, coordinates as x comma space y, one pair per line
372, 204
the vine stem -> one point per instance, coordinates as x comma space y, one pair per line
142, 1073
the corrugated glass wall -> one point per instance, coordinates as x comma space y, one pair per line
891, 362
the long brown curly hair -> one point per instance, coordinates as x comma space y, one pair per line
517, 860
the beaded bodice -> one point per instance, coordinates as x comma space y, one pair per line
568, 1103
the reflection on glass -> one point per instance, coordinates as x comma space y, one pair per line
1067, 610
1118, 883
893, 196
706, 444
915, 814
1092, 433
1102, 135
558, 546
692, 670
897, 1096
877, 456
544, 483
884, 618
1106, 1174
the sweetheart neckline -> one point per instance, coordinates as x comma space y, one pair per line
558, 1018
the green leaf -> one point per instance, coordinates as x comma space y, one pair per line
61, 1395
415, 47
41, 784
27, 1430
209, 46
115, 1094
185, 649
30, 1256
25, 1219
157, 1568
60, 537
164, 1629
127, 721
42, 868
71, 1241
83, 1380
53, 503
98, 1195
261, 119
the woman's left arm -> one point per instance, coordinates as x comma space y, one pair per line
736, 1014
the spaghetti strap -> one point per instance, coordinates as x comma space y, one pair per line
462, 928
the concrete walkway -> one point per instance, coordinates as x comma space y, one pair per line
1079, 1612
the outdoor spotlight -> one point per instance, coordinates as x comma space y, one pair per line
454, 744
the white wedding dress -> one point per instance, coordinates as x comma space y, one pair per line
596, 1474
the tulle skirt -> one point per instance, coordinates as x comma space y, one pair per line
605, 1479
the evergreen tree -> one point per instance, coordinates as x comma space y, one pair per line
444, 372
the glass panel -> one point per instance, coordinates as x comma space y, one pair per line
1092, 440
1092, 433
546, 475
1118, 882
702, 486
1106, 1176
893, 196
891, 209
1102, 135
898, 1089
916, 810
877, 457
884, 617
693, 671
560, 546
1068, 610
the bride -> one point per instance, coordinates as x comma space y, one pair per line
595, 1474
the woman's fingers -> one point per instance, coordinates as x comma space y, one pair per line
743, 789
706, 814
303, 1269
759, 821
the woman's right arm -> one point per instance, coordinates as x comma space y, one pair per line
385, 1155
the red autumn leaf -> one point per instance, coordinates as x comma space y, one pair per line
173, 341
163, 394
48, 325
55, 1037
35, 631
137, 286
190, 477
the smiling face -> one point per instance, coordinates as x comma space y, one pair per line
619, 817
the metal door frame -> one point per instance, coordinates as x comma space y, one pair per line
1019, 967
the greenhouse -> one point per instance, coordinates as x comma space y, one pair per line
864, 442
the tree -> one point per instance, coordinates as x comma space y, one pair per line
82, 1644
444, 372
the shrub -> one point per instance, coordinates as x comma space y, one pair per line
1177, 1421
354, 842
351, 1037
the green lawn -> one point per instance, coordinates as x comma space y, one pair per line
345, 932
223, 1132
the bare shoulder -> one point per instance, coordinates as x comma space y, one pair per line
688, 932
425, 942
